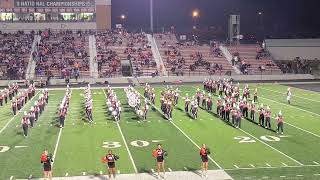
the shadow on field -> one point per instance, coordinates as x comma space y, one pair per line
96, 175
148, 172
256, 123
195, 171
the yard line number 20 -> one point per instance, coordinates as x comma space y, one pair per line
245, 139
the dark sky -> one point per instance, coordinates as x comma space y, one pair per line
279, 16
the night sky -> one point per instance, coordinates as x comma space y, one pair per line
279, 17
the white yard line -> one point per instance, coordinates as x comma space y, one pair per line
272, 167
284, 93
185, 135
290, 106
271, 147
302, 129
125, 142
284, 164
18, 112
57, 143
56, 147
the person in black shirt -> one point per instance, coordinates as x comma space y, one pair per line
46, 159
111, 159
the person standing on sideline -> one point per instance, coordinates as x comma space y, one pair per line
46, 160
159, 154
204, 152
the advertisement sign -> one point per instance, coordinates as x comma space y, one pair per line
55, 3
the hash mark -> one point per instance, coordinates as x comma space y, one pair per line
170, 169
67, 174
152, 170
101, 173
316, 162
11, 177
236, 166
251, 165
185, 168
83, 173
268, 165
284, 164
299, 175
282, 176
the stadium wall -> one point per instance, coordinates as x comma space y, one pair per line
176, 79
9, 27
289, 49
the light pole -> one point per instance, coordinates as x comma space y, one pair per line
195, 16
151, 16
123, 18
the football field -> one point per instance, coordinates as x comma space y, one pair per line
251, 152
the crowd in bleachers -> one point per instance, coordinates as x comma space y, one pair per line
298, 65
114, 46
252, 59
15, 51
63, 54
181, 57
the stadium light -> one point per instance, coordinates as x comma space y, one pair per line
195, 13
260, 13
123, 17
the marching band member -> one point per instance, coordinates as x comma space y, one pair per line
209, 103
176, 97
261, 115
1, 98
255, 95
186, 103
238, 117
280, 119
219, 105
289, 94
25, 123
14, 106
268, 118
245, 108
194, 110
252, 107
145, 109
31, 117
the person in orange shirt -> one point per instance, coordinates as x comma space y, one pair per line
159, 154
111, 159
204, 152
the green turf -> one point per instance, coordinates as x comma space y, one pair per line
81, 144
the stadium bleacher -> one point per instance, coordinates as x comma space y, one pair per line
115, 46
63, 54
249, 59
191, 59
14, 54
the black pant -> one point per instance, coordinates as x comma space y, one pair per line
25, 129
252, 115
261, 119
268, 124
31, 121
227, 115
280, 126
245, 112
62, 121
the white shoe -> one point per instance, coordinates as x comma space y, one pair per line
158, 176
164, 176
